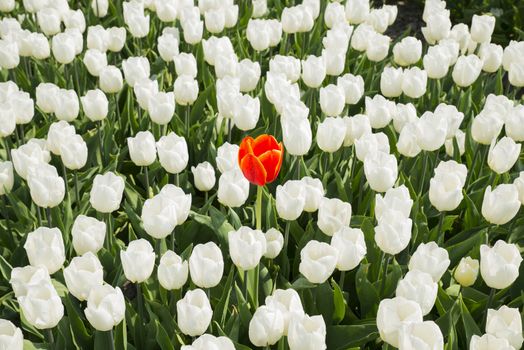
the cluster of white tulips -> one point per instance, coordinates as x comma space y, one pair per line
160, 74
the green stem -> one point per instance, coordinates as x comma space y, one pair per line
488, 305
286, 237
109, 240
76, 188
187, 121
245, 286
48, 212
100, 143
440, 235
111, 339
385, 263
39, 216
146, 174
342, 278
424, 169
49, 336
258, 208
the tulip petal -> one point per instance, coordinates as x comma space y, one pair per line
245, 148
264, 143
271, 161
253, 170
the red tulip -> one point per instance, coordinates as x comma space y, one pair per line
260, 159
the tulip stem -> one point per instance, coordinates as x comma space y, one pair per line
258, 208
140, 302
49, 336
488, 305
342, 278
187, 120
111, 339
385, 262
424, 169
65, 179
39, 216
48, 212
101, 144
286, 237
109, 240
472, 167
76, 187
146, 174
440, 235
245, 285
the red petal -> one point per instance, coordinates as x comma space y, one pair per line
264, 143
253, 170
272, 161
245, 148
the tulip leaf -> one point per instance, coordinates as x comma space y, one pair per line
347, 336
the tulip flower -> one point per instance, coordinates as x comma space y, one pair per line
418, 335
260, 159
419, 287
488, 342
267, 326
11, 337
505, 323
393, 314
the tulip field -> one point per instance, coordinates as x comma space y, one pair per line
259, 174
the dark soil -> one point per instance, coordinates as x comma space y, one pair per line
409, 19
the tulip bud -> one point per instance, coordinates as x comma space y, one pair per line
290, 199
46, 97
193, 30
314, 192
397, 198
168, 46
296, 134
194, 312
381, 171
356, 127
500, 205
313, 71
330, 134
516, 74
11, 337
467, 70
393, 232
491, 56
172, 153
88, 234
431, 129
445, 188
180, 200
8, 6
116, 38
317, 261
100, 7
380, 111
332, 100
143, 90
57, 134
159, 216
436, 62
73, 151
135, 69
95, 105
259, 8
172, 271
425, 334
166, 10
47, 189
266, 327
142, 148
482, 28
505, 323
246, 247
503, 154
106, 193
460, 137
138, 260
83, 274
49, 21
206, 265
6, 177
9, 54
29, 277
208, 341
499, 265
63, 47
227, 157
307, 333
430, 258
519, 183
246, 112
486, 126
378, 47
407, 144
391, 81
32, 154
233, 188
414, 82
353, 87
95, 61
488, 342
45, 247
467, 271
419, 287
111, 80
249, 74
333, 215
286, 65
185, 90
204, 176
105, 307
407, 51
393, 314
438, 26
351, 247
161, 107
42, 307
97, 38
274, 243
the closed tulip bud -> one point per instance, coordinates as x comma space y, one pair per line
45, 247
380, 111
185, 90
111, 80
436, 62
467, 70
7, 6
425, 334
314, 192
499, 265
503, 154
334, 13
161, 107
467, 271
516, 74
57, 134
357, 11
500, 205
353, 87
208, 341
116, 38
317, 261
95, 105
63, 47
296, 134
351, 247
290, 199
95, 61
106, 193
180, 200
259, 8
30, 155
138, 260
267, 326
67, 105
430, 258
488, 342
307, 333
193, 31
356, 127
482, 28
46, 97
393, 232
105, 307
159, 216
407, 51
168, 46
431, 130
313, 71
491, 56
88, 234
460, 138
378, 19
287, 301
249, 74
135, 69
397, 198
258, 34
333, 215
75, 20
505, 323
42, 307
142, 148
519, 183
332, 100
227, 157
73, 152
360, 38
513, 123
438, 26
330, 134
335, 61
391, 81
22, 106
406, 114
194, 312
49, 21
185, 64
138, 25
206, 265
9, 54
204, 176
274, 243
28, 277
381, 170
414, 82
215, 20
166, 10
6, 177
246, 247
246, 112
172, 271
486, 126
47, 189
97, 38
233, 188
172, 153
419, 287
11, 337
445, 191
394, 314
287, 65
378, 47
369, 144
83, 274
100, 7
